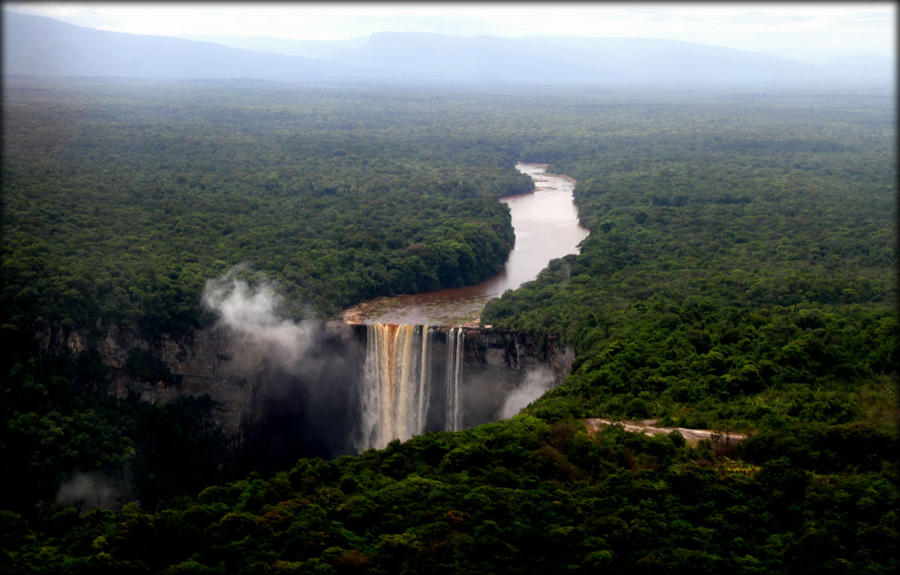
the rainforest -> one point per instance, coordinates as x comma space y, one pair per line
739, 276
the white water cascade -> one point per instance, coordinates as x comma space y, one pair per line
397, 382
397, 376
455, 339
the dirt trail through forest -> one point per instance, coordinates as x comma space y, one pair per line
647, 427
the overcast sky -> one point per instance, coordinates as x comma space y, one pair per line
803, 31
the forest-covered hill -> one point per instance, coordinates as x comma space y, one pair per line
739, 274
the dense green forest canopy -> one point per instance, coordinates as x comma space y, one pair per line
120, 201
741, 272
739, 276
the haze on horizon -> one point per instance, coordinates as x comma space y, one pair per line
811, 32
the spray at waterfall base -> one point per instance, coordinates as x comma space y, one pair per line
362, 386
423, 378
328, 389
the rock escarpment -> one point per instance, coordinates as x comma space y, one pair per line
235, 371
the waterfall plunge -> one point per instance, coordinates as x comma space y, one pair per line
397, 382
455, 337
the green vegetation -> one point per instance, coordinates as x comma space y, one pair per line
521, 496
739, 276
121, 201
60, 420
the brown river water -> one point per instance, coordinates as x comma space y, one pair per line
546, 226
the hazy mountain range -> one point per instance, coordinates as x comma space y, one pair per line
34, 45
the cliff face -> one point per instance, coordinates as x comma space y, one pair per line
505, 371
514, 351
508, 350
235, 371
201, 363
502, 371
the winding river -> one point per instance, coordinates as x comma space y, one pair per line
546, 227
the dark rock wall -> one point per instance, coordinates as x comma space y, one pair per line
233, 371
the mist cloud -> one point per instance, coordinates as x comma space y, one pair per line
304, 375
89, 489
252, 312
537, 381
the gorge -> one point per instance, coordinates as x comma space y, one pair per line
392, 369
401, 376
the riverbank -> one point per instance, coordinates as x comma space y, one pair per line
547, 227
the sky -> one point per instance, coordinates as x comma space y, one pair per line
803, 31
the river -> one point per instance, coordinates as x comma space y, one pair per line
546, 227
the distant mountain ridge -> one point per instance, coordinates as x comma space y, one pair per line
34, 45
564, 60
275, 45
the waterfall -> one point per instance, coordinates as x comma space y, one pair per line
397, 376
455, 338
397, 382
